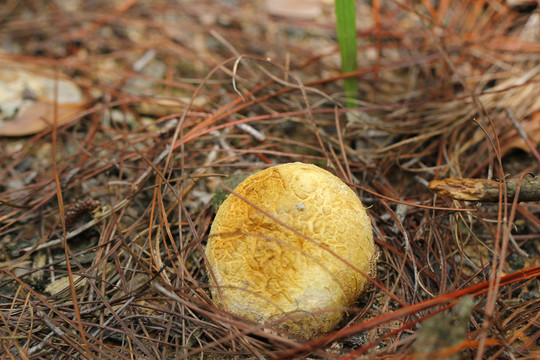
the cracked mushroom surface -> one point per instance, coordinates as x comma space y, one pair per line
290, 250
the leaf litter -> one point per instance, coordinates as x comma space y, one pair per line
178, 93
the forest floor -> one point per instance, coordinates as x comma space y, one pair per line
120, 119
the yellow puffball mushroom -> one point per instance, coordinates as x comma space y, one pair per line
290, 250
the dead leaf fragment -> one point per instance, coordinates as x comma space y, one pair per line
513, 140
28, 96
295, 9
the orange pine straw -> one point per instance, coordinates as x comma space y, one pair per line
465, 344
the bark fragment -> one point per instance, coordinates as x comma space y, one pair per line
486, 190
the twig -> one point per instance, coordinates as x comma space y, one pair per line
486, 190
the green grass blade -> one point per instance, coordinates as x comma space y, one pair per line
346, 30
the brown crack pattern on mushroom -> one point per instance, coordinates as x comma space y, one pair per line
270, 274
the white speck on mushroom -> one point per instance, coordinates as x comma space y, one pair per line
300, 206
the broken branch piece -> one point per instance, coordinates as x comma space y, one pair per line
486, 190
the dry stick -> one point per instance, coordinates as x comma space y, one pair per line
486, 190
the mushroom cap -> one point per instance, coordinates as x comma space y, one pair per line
295, 257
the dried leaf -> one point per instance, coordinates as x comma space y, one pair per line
297, 9
35, 118
27, 100
514, 141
